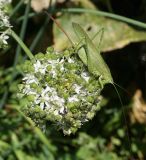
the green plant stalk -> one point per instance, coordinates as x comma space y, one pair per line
21, 43
17, 8
106, 14
29, 16
22, 33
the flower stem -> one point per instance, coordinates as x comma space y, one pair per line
23, 46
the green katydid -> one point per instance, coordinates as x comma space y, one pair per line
94, 60
90, 55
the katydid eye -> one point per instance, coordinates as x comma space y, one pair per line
89, 28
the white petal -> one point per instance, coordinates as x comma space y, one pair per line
73, 99
86, 76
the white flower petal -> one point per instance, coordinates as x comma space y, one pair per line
73, 99
85, 76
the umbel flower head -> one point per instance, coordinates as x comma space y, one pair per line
4, 23
57, 87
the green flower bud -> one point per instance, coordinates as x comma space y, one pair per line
90, 99
90, 115
20, 86
31, 98
48, 78
66, 53
38, 89
39, 56
49, 50
49, 68
33, 85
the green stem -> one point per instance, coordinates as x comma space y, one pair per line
106, 14
23, 46
29, 16
22, 33
17, 7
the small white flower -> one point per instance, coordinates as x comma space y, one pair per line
28, 90
73, 99
63, 110
30, 78
5, 37
58, 100
4, 2
53, 62
48, 89
86, 76
61, 61
62, 68
4, 23
43, 99
40, 67
53, 72
67, 132
77, 88
56, 112
70, 60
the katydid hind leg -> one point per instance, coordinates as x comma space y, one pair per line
100, 82
82, 54
81, 48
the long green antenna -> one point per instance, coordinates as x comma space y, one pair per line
125, 119
59, 26
122, 88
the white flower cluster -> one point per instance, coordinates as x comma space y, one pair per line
62, 88
4, 23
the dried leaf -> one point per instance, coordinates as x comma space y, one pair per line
138, 108
38, 5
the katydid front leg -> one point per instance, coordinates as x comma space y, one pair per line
82, 51
100, 81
